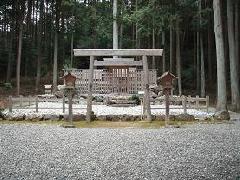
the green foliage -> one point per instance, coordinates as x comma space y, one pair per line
136, 99
90, 22
7, 86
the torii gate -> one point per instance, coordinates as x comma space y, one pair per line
119, 52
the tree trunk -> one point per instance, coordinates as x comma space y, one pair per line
10, 57
178, 58
29, 14
55, 62
71, 60
232, 57
137, 33
19, 55
39, 46
121, 36
163, 56
203, 93
171, 48
210, 49
195, 57
55, 56
153, 47
115, 26
237, 31
202, 55
94, 21
221, 70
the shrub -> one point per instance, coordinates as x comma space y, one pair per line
7, 86
136, 99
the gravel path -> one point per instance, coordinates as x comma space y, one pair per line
51, 152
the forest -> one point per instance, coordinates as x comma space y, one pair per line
200, 39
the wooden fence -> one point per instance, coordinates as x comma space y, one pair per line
123, 81
187, 102
33, 103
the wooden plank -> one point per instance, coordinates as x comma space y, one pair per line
118, 59
117, 63
118, 52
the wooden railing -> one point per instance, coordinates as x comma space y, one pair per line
33, 103
186, 102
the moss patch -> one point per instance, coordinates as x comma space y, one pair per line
105, 124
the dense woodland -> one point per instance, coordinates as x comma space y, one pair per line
200, 39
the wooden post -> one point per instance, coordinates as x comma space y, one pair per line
70, 113
142, 110
207, 102
37, 104
197, 102
29, 100
189, 100
10, 104
63, 103
184, 104
167, 106
147, 110
90, 86
21, 100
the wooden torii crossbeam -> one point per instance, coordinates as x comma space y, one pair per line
119, 52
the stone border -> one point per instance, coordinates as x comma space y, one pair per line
115, 118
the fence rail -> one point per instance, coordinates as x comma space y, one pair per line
29, 102
187, 102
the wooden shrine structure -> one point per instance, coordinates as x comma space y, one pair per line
117, 79
119, 69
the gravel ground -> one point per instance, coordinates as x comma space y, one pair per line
49, 152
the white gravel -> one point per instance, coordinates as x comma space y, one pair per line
101, 110
50, 152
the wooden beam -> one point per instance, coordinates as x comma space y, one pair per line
118, 59
117, 63
117, 52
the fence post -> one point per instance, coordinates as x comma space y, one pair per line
37, 104
197, 102
189, 99
184, 104
21, 100
29, 100
207, 102
10, 104
63, 103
